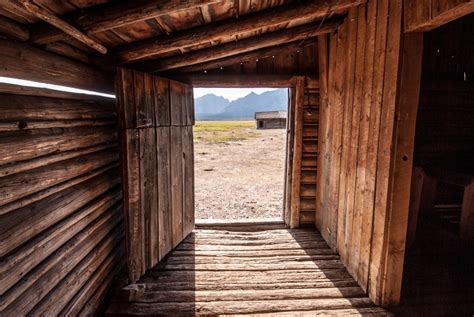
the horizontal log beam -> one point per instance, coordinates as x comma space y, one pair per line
28, 200
26, 146
32, 253
247, 57
13, 187
113, 15
215, 31
13, 29
247, 45
67, 28
23, 61
237, 81
416, 19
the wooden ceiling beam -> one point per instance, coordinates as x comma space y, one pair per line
237, 80
247, 57
217, 30
67, 28
246, 45
113, 15
13, 29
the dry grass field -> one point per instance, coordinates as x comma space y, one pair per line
239, 171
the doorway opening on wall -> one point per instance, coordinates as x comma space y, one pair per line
438, 276
240, 153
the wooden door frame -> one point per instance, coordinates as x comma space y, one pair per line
290, 214
400, 182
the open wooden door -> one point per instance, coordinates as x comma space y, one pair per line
156, 116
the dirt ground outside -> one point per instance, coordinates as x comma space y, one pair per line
239, 170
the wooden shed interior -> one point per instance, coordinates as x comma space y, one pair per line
97, 190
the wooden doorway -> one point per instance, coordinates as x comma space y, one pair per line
302, 138
440, 234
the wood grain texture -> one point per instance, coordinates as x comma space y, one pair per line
358, 148
157, 115
246, 280
38, 65
114, 15
423, 16
245, 45
60, 213
215, 31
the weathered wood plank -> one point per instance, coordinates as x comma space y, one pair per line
176, 184
13, 29
423, 16
30, 144
237, 80
25, 223
27, 165
236, 307
54, 189
161, 93
297, 153
13, 187
386, 243
114, 15
188, 180
17, 264
245, 45
406, 107
41, 66
49, 17
215, 31
149, 194
177, 103
134, 217
32, 289
164, 190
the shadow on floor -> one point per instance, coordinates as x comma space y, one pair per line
249, 270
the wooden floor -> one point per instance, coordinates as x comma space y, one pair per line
249, 270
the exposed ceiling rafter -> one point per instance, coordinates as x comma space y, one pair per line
247, 57
213, 32
68, 29
113, 15
246, 45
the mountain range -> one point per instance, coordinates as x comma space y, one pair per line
212, 107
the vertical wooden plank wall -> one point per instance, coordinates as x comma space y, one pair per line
360, 75
61, 223
156, 116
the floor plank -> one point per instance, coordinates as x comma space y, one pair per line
229, 271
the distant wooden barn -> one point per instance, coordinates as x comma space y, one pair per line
271, 119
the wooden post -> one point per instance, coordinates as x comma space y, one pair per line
401, 174
297, 153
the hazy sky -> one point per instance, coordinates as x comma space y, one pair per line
229, 93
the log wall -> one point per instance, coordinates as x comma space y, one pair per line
359, 76
61, 222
